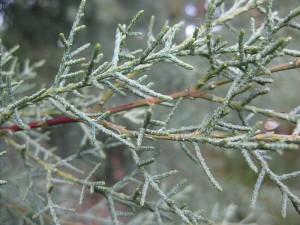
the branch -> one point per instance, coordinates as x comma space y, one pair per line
192, 92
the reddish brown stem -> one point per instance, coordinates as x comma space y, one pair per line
65, 119
44, 123
189, 93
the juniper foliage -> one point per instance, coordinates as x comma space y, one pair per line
143, 196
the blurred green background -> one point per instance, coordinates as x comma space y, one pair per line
35, 25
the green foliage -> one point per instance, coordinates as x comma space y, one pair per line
80, 94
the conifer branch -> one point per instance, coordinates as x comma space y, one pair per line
240, 67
